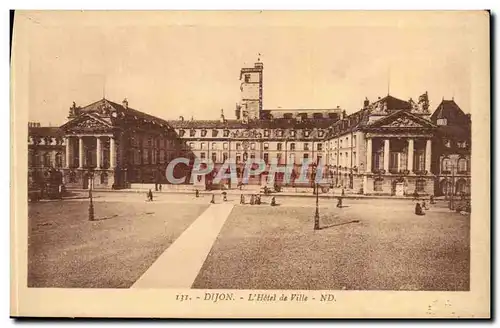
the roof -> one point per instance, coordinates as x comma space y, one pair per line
451, 111
394, 103
45, 131
454, 132
263, 124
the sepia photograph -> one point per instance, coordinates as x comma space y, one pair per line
251, 162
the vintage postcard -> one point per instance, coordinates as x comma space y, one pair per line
250, 164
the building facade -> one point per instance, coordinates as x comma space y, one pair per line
452, 149
389, 147
385, 148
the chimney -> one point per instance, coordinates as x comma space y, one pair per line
125, 103
222, 118
366, 103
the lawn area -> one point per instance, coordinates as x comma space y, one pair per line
375, 245
66, 250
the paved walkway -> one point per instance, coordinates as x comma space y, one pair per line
179, 265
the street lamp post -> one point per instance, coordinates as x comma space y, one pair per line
316, 215
91, 204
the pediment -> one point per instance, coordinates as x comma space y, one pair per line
403, 119
87, 123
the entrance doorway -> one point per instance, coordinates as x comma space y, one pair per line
85, 181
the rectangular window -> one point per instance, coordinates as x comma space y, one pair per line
279, 157
225, 145
214, 146
252, 156
319, 147
306, 156
266, 158
354, 157
266, 146
306, 146
420, 185
292, 146
266, 133
238, 158
394, 161
202, 145
252, 146
378, 185
225, 157
279, 146
354, 141
191, 145
292, 158
238, 146
318, 159
214, 157
247, 78
202, 155
226, 133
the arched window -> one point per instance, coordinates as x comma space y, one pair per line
446, 187
461, 187
47, 160
446, 165
59, 160
462, 165
31, 158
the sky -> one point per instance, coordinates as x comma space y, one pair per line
189, 64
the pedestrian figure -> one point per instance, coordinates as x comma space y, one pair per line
197, 193
424, 205
339, 202
252, 200
415, 195
418, 209
242, 199
257, 200
431, 200
273, 201
343, 191
213, 199
60, 191
224, 194
160, 186
150, 195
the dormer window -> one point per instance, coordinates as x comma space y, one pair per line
226, 133
442, 121
203, 133
321, 133
292, 133
279, 133
215, 133
266, 133
192, 132
182, 133
306, 133
447, 143
462, 144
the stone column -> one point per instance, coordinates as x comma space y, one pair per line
112, 153
368, 155
428, 150
387, 147
410, 155
67, 157
98, 152
80, 152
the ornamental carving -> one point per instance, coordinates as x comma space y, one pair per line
404, 122
90, 124
250, 134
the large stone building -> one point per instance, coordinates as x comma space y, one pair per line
384, 148
451, 149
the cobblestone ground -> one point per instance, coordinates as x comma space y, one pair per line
66, 250
367, 245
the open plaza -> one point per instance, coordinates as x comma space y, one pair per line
183, 241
